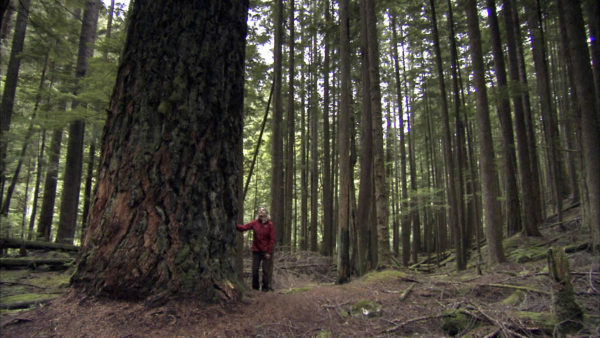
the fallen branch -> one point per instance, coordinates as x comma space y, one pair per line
517, 287
414, 320
57, 263
25, 305
22, 284
505, 330
18, 243
405, 293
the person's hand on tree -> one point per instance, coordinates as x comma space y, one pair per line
268, 256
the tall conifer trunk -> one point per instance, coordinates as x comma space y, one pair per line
73, 170
163, 219
489, 176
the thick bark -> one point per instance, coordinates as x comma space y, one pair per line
578, 51
489, 176
511, 192
277, 174
344, 197
47, 212
166, 202
69, 206
10, 86
527, 181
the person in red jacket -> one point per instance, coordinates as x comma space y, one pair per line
262, 247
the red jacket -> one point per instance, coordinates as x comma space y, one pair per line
264, 235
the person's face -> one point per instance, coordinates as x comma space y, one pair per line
262, 213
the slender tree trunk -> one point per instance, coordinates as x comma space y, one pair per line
36, 190
365, 195
10, 86
381, 233
404, 222
88, 188
50, 182
449, 159
592, 9
314, 149
344, 197
527, 180
414, 199
489, 176
465, 223
548, 112
291, 137
578, 51
303, 166
328, 232
277, 175
72, 180
511, 192
162, 224
406, 219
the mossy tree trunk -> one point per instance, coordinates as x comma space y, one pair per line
163, 220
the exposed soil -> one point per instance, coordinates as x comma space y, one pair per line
396, 302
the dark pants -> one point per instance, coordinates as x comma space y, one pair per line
267, 264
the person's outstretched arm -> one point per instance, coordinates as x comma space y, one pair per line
245, 227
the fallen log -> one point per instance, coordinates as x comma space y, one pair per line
55, 263
25, 305
18, 243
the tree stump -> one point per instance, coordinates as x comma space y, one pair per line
568, 313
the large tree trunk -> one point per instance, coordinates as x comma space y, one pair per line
489, 176
344, 198
72, 180
578, 51
166, 203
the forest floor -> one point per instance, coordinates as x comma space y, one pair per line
511, 299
